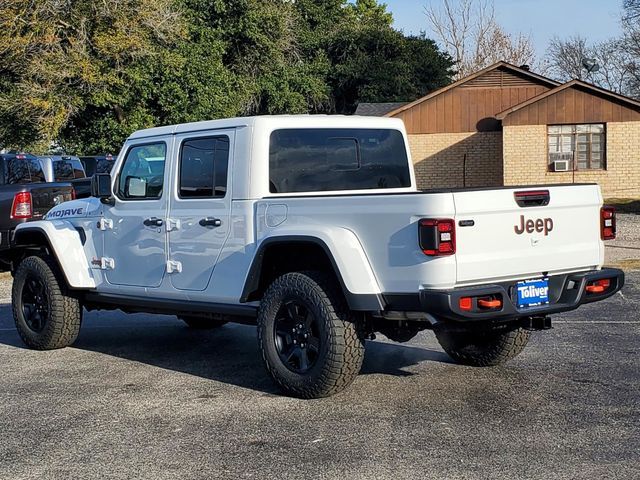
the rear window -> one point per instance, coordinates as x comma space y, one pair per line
27, 170
67, 170
104, 165
320, 160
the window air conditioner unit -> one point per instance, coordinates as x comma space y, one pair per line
562, 166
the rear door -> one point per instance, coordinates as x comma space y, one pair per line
526, 232
200, 206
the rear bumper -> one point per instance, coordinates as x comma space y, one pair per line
566, 292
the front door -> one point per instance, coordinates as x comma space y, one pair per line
135, 241
200, 207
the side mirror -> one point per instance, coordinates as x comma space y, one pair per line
101, 187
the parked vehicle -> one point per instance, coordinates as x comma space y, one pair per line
24, 196
64, 168
97, 164
312, 228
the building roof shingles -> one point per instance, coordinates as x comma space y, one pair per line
377, 109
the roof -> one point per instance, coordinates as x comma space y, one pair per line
377, 109
573, 83
462, 81
272, 122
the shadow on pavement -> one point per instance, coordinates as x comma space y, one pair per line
229, 354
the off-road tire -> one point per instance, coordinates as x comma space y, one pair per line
342, 341
64, 312
202, 323
482, 348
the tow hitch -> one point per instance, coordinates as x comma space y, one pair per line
537, 323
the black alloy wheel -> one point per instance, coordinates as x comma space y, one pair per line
311, 343
35, 304
297, 337
47, 315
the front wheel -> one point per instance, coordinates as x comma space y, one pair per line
309, 341
46, 316
482, 348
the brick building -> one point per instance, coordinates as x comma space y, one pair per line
505, 125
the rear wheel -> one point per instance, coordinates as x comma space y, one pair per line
46, 316
310, 343
482, 348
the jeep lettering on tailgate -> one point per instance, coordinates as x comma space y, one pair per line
539, 225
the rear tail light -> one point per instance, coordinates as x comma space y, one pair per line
608, 223
437, 237
22, 207
21, 156
73, 193
598, 286
465, 303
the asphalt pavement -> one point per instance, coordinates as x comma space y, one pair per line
142, 396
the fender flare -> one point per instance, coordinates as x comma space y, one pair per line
359, 299
65, 244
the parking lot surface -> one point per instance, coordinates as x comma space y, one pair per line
141, 396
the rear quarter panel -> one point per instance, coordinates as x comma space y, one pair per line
367, 233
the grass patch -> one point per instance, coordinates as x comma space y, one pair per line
625, 205
628, 264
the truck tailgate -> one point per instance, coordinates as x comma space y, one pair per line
498, 239
45, 196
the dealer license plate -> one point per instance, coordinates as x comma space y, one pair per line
532, 292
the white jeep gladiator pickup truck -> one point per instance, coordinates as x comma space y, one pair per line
312, 228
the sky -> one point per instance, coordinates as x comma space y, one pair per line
542, 19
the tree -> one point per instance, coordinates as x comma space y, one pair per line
83, 75
469, 32
567, 59
372, 62
57, 57
630, 45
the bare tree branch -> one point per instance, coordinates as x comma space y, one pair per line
469, 32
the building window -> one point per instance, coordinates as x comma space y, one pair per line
577, 147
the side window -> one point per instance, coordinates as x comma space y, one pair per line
332, 159
203, 167
142, 173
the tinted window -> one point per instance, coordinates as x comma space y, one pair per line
203, 167
67, 170
142, 173
104, 165
27, 170
317, 160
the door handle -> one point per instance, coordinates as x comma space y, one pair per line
210, 222
153, 222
